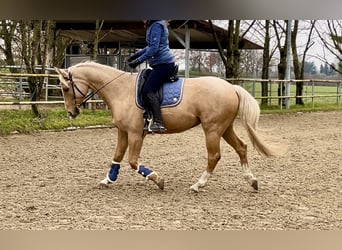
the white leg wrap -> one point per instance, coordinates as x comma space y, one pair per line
201, 182
105, 181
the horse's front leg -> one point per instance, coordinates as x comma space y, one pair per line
120, 151
135, 141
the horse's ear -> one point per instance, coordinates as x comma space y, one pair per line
64, 74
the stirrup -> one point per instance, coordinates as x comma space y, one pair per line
157, 127
148, 123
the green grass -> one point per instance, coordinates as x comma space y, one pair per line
23, 121
307, 107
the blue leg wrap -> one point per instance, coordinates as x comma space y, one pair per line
114, 171
144, 171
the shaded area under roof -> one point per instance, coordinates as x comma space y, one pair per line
132, 33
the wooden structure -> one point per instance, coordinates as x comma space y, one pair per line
184, 34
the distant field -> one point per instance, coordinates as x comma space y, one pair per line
323, 94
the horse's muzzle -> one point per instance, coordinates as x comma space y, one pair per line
75, 112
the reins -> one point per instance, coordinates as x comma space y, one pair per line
88, 96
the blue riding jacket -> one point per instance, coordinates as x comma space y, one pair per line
157, 50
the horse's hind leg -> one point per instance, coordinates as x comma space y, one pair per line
214, 155
241, 149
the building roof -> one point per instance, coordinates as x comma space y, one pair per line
131, 33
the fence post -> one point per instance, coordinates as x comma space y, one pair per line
287, 93
46, 83
270, 92
280, 100
339, 94
312, 93
306, 91
21, 89
253, 88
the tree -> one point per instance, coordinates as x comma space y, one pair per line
99, 24
7, 33
332, 68
211, 60
298, 66
330, 35
233, 51
231, 59
197, 59
265, 62
35, 44
250, 63
310, 68
280, 32
328, 69
261, 31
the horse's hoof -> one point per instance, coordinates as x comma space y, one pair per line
103, 186
255, 184
160, 184
105, 181
157, 180
194, 188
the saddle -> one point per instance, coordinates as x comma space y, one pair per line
169, 94
142, 80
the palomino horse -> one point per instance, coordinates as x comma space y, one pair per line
209, 101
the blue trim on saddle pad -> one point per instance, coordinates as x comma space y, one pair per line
172, 93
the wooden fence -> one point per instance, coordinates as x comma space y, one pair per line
311, 91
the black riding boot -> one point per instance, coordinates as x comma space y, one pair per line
154, 106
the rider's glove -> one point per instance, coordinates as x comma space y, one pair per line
133, 64
133, 57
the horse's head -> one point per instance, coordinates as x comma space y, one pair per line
73, 92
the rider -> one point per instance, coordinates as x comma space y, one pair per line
162, 62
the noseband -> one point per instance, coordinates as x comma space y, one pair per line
86, 97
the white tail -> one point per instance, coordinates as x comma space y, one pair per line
249, 113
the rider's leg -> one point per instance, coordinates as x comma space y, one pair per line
159, 75
154, 106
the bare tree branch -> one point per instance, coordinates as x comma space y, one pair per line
331, 37
223, 57
247, 30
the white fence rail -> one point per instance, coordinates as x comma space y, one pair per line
16, 84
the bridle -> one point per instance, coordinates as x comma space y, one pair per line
86, 97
